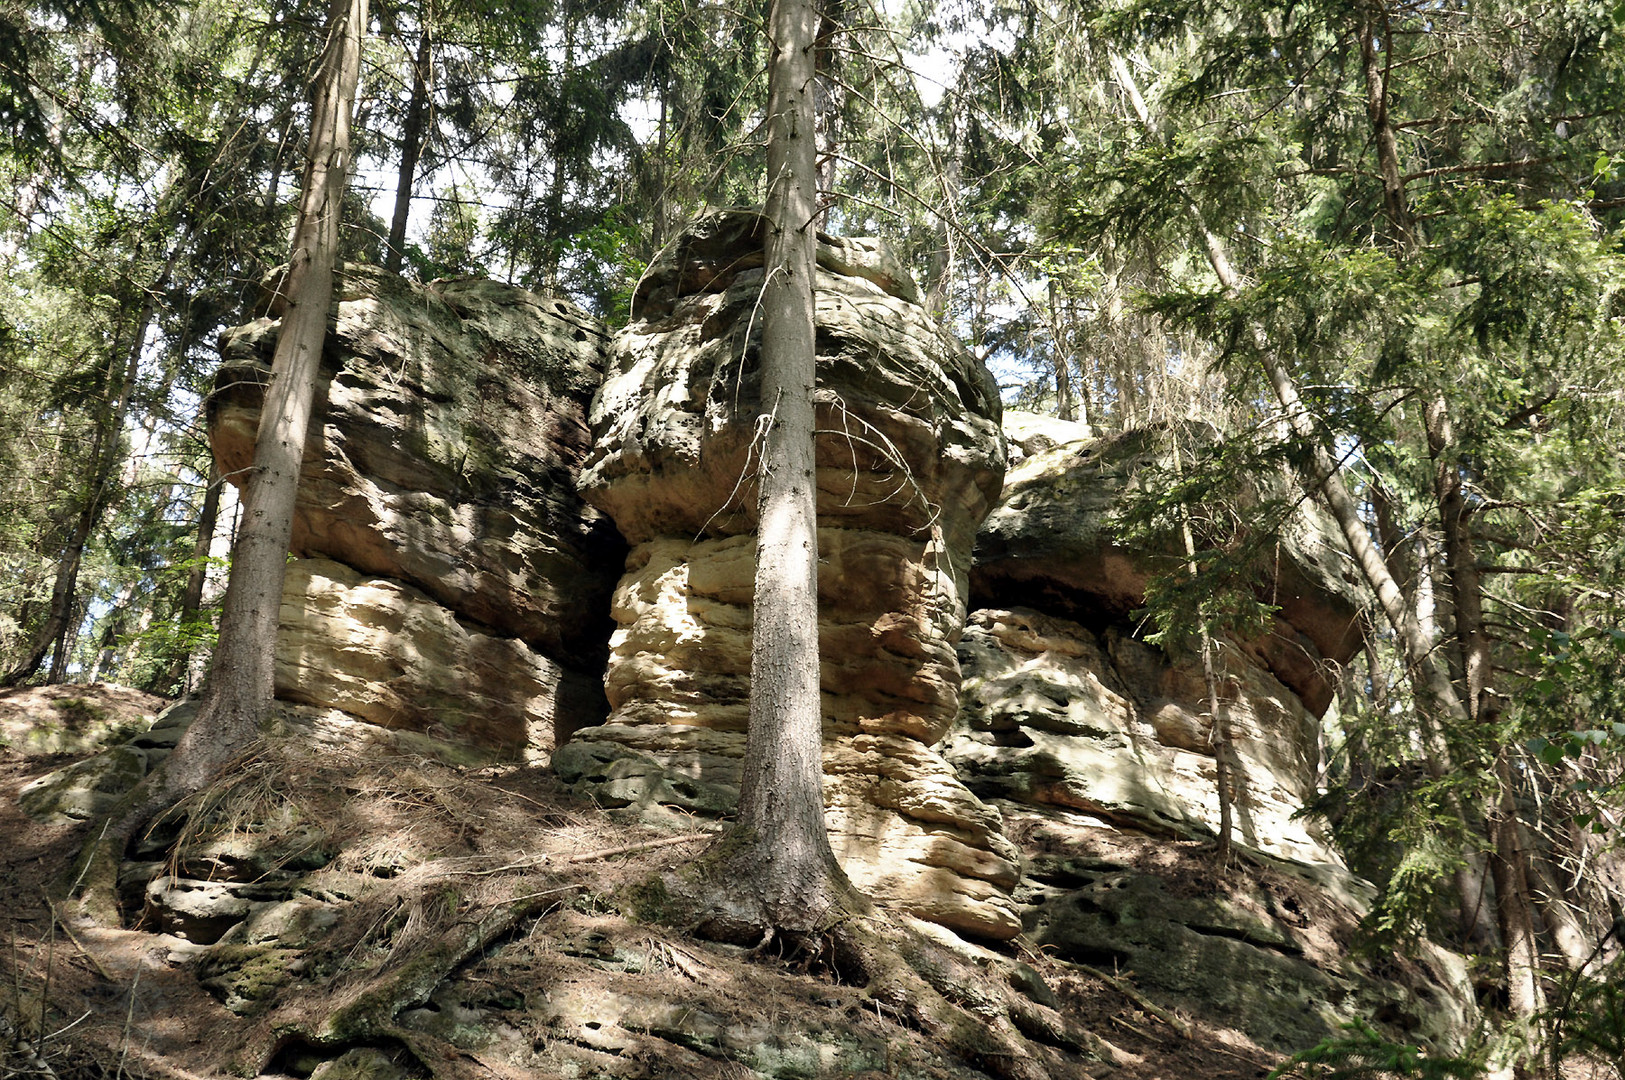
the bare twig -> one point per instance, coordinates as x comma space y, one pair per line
589, 856
1122, 986
66, 929
129, 1018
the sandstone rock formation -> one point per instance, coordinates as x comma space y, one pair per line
1034, 768
909, 460
450, 579
1065, 706
1053, 536
1096, 747
1056, 715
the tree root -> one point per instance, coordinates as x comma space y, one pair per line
89, 889
364, 1010
969, 1010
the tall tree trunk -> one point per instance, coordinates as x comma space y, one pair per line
107, 647
240, 685
793, 872
1509, 860
828, 94
1064, 405
196, 579
1218, 718
1509, 867
941, 267
104, 461
1432, 691
417, 119
657, 228
553, 233
240, 680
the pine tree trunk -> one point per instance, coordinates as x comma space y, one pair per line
112, 627
196, 579
1065, 408
1509, 862
417, 119
104, 460
1435, 696
781, 804
942, 265
240, 684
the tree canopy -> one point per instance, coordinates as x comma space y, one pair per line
1368, 246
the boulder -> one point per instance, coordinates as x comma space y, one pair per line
440, 470
92, 786
910, 457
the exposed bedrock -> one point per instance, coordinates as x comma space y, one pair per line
1096, 746
910, 457
1052, 543
1065, 706
451, 579
1057, 715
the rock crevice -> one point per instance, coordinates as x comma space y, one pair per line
909, 458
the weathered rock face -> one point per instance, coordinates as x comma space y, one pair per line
1056, 715
1096, 747
1052, 536
1065, 707
455, 582
1259, 947
909, 459
387, 653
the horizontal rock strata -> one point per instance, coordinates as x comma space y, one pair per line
1097, 747
1053, 542
440, 471
389, 654
1056, 715
909, 459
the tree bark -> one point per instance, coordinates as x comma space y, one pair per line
794, 874
196, 578
239, 690
417, 119
1218, 719
1064, 405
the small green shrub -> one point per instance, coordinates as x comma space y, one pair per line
1363, 1054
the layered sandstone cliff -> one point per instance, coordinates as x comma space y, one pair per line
1068, 706
1097, 748
910, 458
447, 577
1005, 754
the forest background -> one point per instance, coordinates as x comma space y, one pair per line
1373, 247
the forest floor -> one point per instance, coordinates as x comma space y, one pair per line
447, 921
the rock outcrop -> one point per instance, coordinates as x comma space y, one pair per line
1053, 537
1066, 706
1056, 715
1033, 768
450, 580
1096, 747
910, 457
